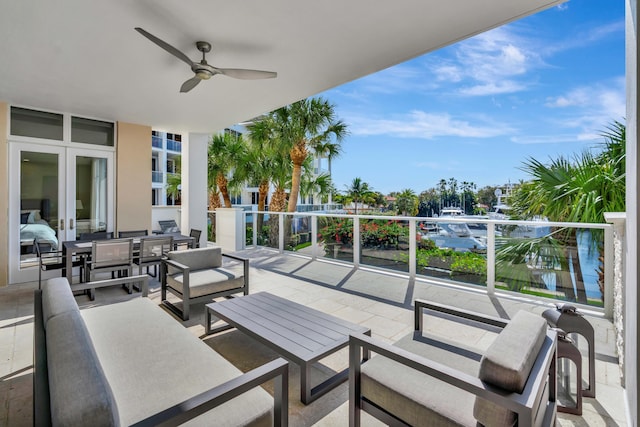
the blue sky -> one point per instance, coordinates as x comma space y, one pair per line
544, 86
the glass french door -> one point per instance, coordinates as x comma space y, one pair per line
61, 192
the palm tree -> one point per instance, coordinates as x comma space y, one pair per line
581, 189
306, 126
407, 202
357, 191
225, 154
174, 180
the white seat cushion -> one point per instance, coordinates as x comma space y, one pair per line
152, 362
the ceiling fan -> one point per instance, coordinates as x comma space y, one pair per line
202, 70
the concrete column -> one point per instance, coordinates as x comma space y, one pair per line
230, 229
194, 185
632, 233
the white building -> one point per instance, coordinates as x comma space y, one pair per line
166, 149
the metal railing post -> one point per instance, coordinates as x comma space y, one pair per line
356, 242
255, 229
413, 236
491, 258
609, 260
281, 232
314, 236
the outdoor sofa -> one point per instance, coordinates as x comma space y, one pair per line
198, 275
132, 363
427, 380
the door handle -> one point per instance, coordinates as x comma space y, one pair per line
61, 224
71, 224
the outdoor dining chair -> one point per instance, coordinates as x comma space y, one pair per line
152, 250
169, 226
111, 255
196, 237
49, 259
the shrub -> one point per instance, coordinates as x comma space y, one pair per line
469, 263
375, 233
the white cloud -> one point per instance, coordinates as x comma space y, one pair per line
585, 39
420, 124
606, 99
553, 139
429, 165
492, 88
495, 62
448, 73
578, 97
582, 113
400, 78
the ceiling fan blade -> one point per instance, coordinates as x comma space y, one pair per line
239, 73
189, 84
166, 46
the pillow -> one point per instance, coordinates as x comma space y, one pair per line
34, 215
24, 218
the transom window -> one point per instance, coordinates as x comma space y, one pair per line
30, 123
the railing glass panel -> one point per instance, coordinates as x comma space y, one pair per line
173, 145
384, 243
335, 237
298, 238
561, 261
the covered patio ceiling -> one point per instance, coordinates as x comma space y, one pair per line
84, 57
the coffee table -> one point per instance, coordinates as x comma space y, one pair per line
298, 333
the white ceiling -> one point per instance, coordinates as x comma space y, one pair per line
84, 57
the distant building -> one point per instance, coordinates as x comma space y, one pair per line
166, 149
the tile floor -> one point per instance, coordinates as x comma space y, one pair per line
377, 300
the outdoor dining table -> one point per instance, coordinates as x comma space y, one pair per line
72, 248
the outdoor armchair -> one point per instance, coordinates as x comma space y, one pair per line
169, 226
198, 275
426, 379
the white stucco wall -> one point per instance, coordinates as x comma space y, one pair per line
194, 184
631, 249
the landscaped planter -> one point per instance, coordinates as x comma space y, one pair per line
440, 262
474, 279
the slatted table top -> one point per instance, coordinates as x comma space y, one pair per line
300, 333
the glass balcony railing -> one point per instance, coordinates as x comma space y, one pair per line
559, 261
156, 141
173, 145
156, 176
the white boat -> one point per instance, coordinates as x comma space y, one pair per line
501, 212
455, 236
451, 211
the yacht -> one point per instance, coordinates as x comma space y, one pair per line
451, 211
455, 236
501, 212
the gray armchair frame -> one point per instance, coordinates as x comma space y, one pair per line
187, 300
526, 405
